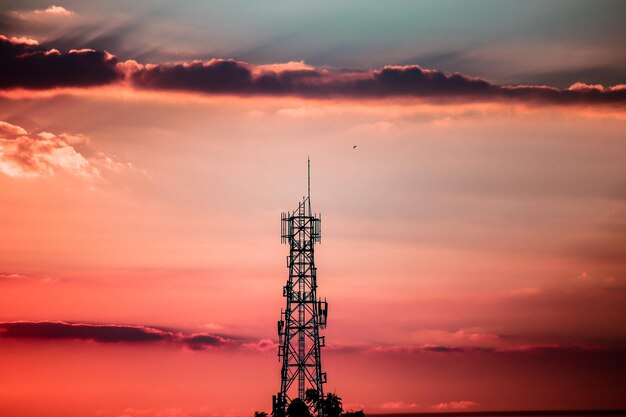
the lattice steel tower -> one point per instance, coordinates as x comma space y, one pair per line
298, 329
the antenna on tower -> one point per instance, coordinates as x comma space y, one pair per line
308, 166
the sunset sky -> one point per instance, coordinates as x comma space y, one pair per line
474, 241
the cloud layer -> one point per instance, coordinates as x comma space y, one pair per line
229, 76
30, 66
107, 333
121, 333
102, 333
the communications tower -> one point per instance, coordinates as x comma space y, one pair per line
299, 326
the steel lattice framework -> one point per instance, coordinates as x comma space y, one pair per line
298, 329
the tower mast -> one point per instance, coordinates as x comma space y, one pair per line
299, 326
308, 182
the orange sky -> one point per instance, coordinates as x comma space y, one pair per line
491, 231
473, 250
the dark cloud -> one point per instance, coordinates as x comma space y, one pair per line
107, 333
27, 65
102, 333
229, 76
204, 341
219, 76
413, 80
233, 77
447, 349
511, 348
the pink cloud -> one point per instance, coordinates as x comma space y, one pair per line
55, 10
456, 405
262, 345
397, 405
595, 87
26, 154
50, 12
40, 154
464, 337
288, 66
9, 129
20, 40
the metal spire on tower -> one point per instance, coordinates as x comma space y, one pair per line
298, 329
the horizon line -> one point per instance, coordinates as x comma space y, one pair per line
576, 412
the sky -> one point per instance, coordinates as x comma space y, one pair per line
473, 246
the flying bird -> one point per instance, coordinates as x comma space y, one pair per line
354, 147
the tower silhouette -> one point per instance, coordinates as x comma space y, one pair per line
304, 315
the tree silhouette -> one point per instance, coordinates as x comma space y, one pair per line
328, 406
260, 414
358, 413
298, 408
331, 405
312, 397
